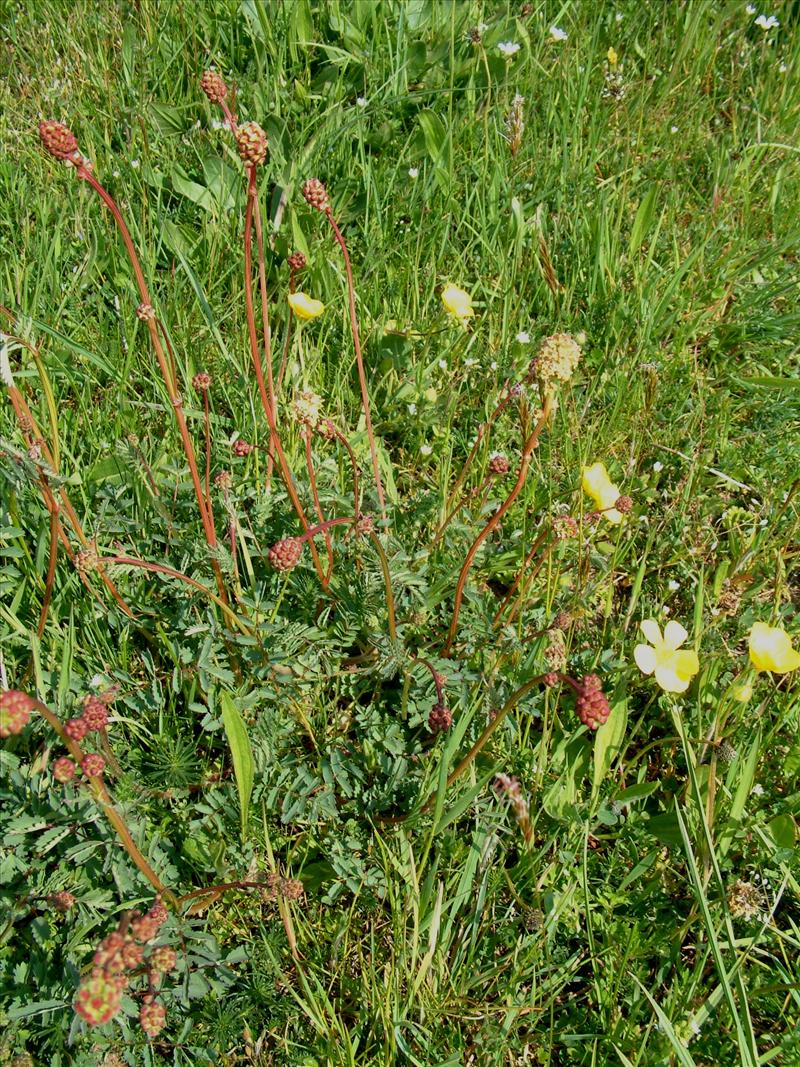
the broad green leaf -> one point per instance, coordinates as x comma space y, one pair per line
643, 220
745, 784
242, 754
608, 741
783, 830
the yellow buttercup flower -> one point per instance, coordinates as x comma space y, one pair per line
771, 649
612, 57
457, 303
305, 306
673, 669
602, 490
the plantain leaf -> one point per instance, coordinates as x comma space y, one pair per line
242, 754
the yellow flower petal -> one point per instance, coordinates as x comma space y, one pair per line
305, 306
457, 302
646, 659
651, 630
612, 57
771, 649
670, 681
685, 664
742, 692
674, 635
597, 484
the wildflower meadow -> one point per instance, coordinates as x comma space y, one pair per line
399, 515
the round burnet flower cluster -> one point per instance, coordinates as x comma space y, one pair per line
565, 527
285, 555
440, 718
118, 960
62, 901
498, 463
241, 448
146, 313
59, 140
213, 86
624, 504
15, 710
592, 704
223, 481
555, 652
276, 885
202, 381
297, 261
558, 357
64, 770
251, 140
93, 765
152, 1016
316, 194
86, 560
95, 713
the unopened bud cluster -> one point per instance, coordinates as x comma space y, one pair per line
94, 718
316, 194
213, 86
440, 718
297, 261
59, 140
241, 448
498, 463
592, 704
118, 961
251, 140
201, 382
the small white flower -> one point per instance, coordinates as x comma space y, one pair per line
618, 17
482, 27
135, 164
493, 365
425, 450
767, 22
694, 1026
523, 337
469, 362
412, 409
673, 129
361, 101
97, 682
666, 609
442, 364
658, 466
750, 9
672, 585
558, 34
413, 172
218, 124
758, 790
783, 68
508, 48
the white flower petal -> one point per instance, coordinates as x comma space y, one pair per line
651, 630
646, 658
674, 635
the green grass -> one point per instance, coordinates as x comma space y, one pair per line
427, 935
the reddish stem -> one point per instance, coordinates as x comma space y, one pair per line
318, 505
351, 293
166, 371
207, 421
252, 194
527, 454
543, 535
